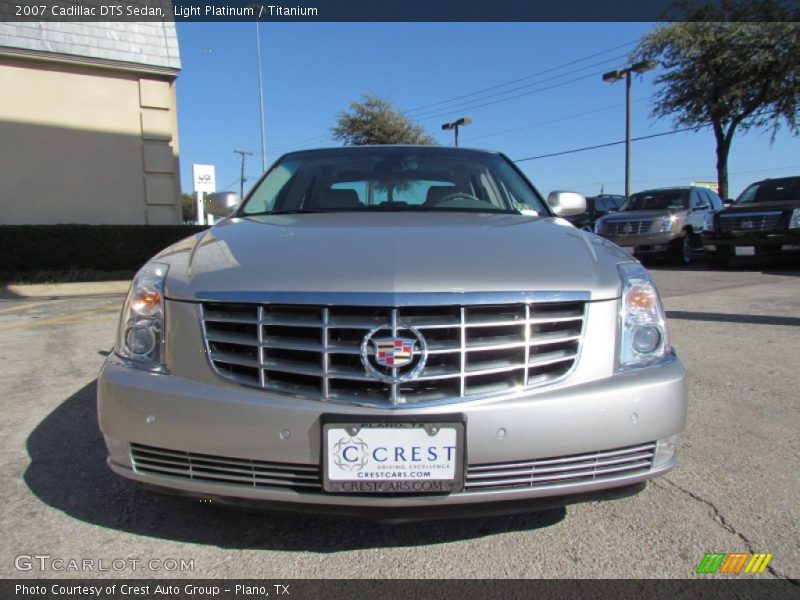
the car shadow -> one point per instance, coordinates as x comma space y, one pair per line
688, 315
67, 471
784, 266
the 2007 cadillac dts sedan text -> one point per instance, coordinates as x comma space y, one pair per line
393, 331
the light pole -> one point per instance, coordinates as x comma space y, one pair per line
261, 101
625, 74
456, 124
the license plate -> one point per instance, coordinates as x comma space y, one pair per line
745, 251
392, 457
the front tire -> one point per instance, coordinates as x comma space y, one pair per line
682, 250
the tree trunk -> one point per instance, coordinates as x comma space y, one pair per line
723, 148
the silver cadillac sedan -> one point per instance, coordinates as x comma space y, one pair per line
393, 332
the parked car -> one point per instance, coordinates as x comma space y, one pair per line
596, 207
764, 221
665, 221
393, 331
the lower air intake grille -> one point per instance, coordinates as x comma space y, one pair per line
578, 468
217, 469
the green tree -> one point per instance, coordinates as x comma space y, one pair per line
375, 121
734, 66
188, 210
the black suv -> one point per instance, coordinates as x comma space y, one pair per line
763, 221
596, 207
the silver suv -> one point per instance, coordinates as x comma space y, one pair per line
393, 332
666, 221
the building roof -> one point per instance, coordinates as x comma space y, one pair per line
149, 44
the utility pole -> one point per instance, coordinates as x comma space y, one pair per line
244, 153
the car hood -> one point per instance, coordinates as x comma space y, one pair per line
391, 253
633, 215
763, 206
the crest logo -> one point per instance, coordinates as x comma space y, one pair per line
747, 224
394, 352
628, 229
350, 453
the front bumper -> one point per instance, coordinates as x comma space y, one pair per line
724, 245
584, 422
645, 243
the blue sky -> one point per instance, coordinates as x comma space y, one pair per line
311, 72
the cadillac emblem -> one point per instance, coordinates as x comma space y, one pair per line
628, 229
747, 224
394, 358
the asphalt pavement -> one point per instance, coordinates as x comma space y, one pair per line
735, 489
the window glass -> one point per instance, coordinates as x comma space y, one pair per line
773, 190
383, 178
658, 200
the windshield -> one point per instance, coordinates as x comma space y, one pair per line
392, 179
608, 203
774, 190
657, 200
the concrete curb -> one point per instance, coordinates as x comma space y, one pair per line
64, 290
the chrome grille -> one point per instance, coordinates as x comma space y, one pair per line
749, 222
577, 468
313, 351
238, 471
628, 227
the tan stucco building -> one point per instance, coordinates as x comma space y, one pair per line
88, 124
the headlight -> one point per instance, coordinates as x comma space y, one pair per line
667, 225
643, 327
140, 339
598, 226
794, 222
708, 225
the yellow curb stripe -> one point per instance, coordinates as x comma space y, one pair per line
765, 563
63, 319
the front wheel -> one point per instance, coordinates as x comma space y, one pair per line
682, 250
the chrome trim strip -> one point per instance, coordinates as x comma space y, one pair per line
765, 213
399, 299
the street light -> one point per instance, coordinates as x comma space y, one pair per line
456, 124
611, 77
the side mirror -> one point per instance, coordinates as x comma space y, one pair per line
221, 204
566, 204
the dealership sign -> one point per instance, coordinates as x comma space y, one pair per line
204, 178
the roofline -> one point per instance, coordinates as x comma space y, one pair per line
85, 61
409, 146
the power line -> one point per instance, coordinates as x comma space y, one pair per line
558, 120
467, 103
513, 81
636, 139
609, 144
301, 142
544, 89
